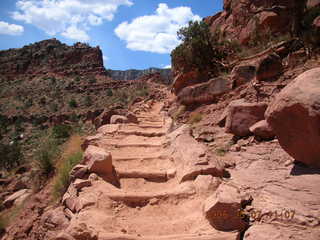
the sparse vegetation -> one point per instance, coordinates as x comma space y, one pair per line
109, 92
195, 118
46, 155
62, 181
125, 96
73, 103
200, 48
61, 131
11, 156
221, 151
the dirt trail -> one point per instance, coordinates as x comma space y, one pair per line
150, 203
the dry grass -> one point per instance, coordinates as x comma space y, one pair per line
195, 118
71, 156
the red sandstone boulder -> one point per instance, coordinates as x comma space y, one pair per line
242, 74
183, 80
268, 67
223, 209
204, 92
262, 130
294, 116
104, 118
241, 116
264, 68
98, 160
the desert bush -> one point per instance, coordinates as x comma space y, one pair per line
45, 157
11, 156
63, 179
73, 103
28, 103
61, 131
109, 92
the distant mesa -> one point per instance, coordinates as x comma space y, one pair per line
134, 74
51, 57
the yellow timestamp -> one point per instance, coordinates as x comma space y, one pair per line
276, 214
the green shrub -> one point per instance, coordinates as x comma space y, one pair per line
73, 103
63, 179
200, 48
109, 92
221, 151
46, 155
61, 131
11, 156
28, 103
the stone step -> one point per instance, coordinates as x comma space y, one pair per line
144, 133
133, 129
142, 198
157, 176
140, 126
199, 236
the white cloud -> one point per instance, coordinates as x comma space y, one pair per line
105, 58
70, 18
167, 67
10, 29
75, 33
156, 33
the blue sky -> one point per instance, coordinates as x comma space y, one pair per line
131, 33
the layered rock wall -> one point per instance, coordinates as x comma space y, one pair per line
52, 56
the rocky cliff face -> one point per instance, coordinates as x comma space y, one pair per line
52, 56
134, 74
243, 20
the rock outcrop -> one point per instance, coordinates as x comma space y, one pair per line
52, 56
243, 20
241, 116
262, 130
204, 92
294, 117
223, 209
264, 68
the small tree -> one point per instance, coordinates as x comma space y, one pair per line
200, 48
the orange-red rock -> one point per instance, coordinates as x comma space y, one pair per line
294, 116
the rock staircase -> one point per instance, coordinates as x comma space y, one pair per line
150, 202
